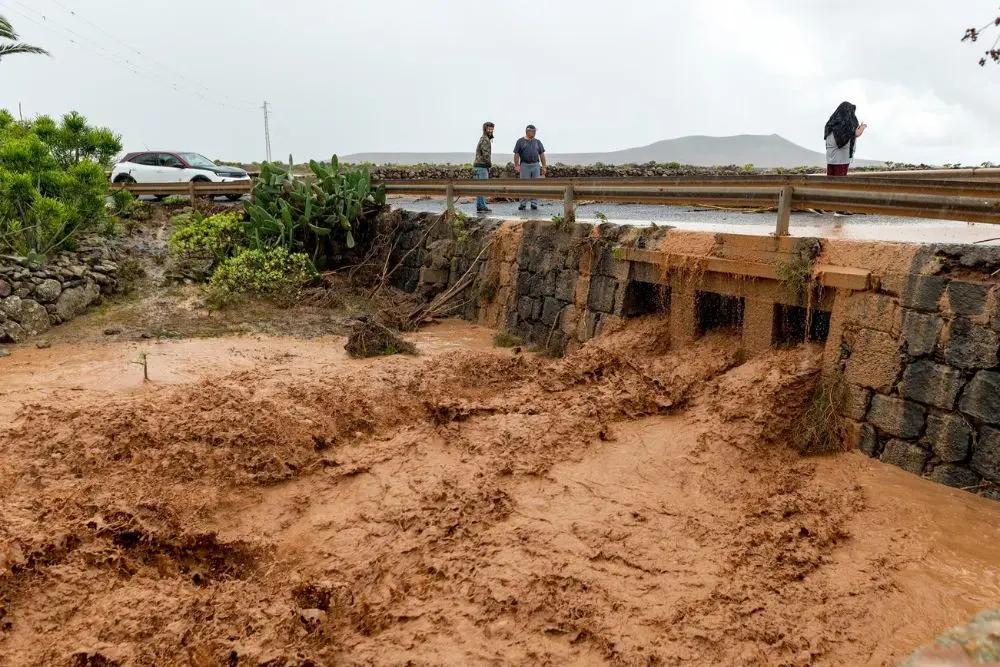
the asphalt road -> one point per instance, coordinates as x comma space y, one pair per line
860, 227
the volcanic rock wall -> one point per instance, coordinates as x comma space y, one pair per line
551, 284
920, 359
35, 297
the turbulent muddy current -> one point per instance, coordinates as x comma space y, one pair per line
271, 501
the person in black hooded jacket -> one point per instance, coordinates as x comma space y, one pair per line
841, 133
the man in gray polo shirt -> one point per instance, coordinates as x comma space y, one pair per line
529, 159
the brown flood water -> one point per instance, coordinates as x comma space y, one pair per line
272, 499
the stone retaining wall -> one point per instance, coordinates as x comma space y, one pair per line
920, 359
34, 297
551, 285
567, 283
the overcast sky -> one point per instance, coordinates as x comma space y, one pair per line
593, 75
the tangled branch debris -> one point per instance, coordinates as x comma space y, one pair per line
371, 339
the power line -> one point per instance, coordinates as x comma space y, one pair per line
172, 71
83, 42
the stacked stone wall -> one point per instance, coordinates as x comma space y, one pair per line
920, 358
37, 296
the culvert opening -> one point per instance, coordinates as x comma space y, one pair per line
718, 311
645, 299
792, 322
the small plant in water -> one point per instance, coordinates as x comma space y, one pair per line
505, 339
601, 217
145, 366
821, 428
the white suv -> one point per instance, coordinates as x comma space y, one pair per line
173, 167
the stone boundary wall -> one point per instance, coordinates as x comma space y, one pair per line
34, 297
920, 360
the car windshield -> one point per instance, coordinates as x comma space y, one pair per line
196, 160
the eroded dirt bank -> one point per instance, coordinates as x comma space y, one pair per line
272, 502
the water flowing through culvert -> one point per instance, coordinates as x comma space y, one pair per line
625, 504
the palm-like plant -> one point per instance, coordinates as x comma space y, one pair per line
7, 33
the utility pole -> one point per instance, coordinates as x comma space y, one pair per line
267, 134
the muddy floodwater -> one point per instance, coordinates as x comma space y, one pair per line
267, 500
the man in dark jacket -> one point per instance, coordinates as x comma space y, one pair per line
481, 165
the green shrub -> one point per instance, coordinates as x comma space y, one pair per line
217, 235
52, 181
506, 339
130, 274
111, 229
272, 273
122, 202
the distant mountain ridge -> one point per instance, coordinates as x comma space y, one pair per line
763, 151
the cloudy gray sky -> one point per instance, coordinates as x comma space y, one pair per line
593, 75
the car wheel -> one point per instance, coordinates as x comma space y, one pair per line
202, 179
234, 197
124, 178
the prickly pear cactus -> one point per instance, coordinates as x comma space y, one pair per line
330, 211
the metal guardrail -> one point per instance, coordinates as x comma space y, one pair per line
956, 173
192, 188
974, 198
968, 195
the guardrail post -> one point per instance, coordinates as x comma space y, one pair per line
450, 199
569, 210
784, 210
194, 199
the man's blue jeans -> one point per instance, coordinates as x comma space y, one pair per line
481, 174
530, 171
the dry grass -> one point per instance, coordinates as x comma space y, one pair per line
821, 426
505, 339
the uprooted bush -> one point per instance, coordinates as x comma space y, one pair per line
371, 339
820, 429
271, 273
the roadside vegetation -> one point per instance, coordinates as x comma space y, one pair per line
292, 229
52, 182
